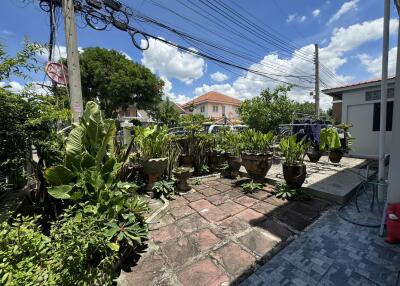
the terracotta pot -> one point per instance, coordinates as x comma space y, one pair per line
257, 165
294, 175
182, 174
335, 156
187, 160
314, 155
154, 168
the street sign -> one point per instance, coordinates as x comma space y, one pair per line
57, 72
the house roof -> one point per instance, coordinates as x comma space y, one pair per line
339, 89
214, 97
179, 107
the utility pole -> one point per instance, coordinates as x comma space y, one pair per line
316, 60
382, 125
74, 72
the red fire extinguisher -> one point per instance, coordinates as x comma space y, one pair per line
393, 223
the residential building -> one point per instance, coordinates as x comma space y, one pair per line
359, 104
214, 105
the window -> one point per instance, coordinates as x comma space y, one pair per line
215, 108
377, 114
376, 94
202, 108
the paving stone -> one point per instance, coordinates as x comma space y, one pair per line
192, 223
317, 204
213, 214
246, 201
209, 191
250, 216
259, 195
200, 187
233, 194
202, 273
232, 225
264, 208
304, 209
222, 187
165, 233
234, 259
148, 268
213, 183
181, 212
167, 219
179, 251
293, 219
269, 188
193, 196
340, 274
200, 205
178, 202
217, 199
276, 201
258, 242
231, 208
205, 239
275, 229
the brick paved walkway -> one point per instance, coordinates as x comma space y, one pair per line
217, 235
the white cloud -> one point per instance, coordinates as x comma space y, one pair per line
126, 55
333, 56
374, 65
219, 77
169, 62
345, 8
6, 32
59, 52
177, 98
33, 87
290, 18
294, 17
316, 12
12, 86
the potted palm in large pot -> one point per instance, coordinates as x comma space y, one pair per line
294, 169
257, 153
330, 140
232, 155
151, 146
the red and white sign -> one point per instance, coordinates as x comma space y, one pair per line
57, 72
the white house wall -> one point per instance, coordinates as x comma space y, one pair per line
359, 112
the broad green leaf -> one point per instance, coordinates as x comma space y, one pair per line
58, 175
113, 246
60, 192
109, 132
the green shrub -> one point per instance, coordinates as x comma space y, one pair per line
251, 186
164, 188
255, 141
293, 151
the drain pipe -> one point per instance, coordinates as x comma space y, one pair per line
382, 129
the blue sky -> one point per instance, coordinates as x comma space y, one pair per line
348, 32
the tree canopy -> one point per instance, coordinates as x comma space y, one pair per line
166, 113
117, 82
266, 111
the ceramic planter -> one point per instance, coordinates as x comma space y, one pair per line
215, 159
187, 160
294, 175
234, 163
154, 168
257, 165
182, 174
314, 155
336, 155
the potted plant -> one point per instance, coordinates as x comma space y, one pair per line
294, 169
330, 140
232, 155
151, 146
182, 174
217, 154
257, 153
314, 153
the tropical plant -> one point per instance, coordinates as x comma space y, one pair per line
151, 142
251, 186
329, 139
282, 191
255, 141
293, 151
164, 188
233, 143
174, 150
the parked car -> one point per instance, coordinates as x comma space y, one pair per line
214, 128
178, 131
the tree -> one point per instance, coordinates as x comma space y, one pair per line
305, 108
166, 113
109, 78
266, 111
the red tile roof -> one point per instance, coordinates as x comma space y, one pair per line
355, 84
214, 97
